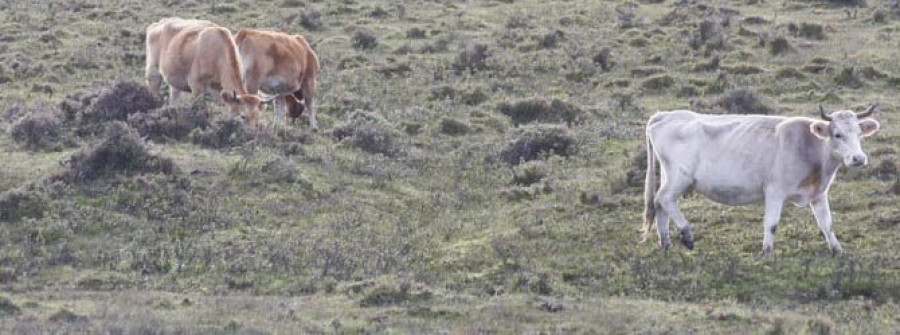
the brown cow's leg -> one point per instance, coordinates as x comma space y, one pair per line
174, 95
309, 92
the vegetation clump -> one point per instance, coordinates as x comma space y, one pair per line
8, 308
311, 19
24, 202
222, 133
472, 57
121, 100
533, 142
744, 101
171, 122
454, 127
369, 132
540, 109
364, 40
41, 130
530, 173
387, 295
121, 152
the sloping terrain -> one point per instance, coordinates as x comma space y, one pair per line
479, 169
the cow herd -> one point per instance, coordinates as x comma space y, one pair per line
242, 71
730, 159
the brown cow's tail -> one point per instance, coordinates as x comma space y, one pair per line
649, 190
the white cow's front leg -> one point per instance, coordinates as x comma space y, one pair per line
774, 205
822, 212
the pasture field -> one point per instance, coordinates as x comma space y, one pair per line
479, 168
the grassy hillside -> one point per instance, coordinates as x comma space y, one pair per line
479, 169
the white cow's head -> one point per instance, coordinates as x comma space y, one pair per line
844, 129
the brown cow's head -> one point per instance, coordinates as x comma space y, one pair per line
245, 105
844, 129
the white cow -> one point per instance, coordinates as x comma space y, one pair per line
744, 159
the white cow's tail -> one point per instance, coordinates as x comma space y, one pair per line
649, 190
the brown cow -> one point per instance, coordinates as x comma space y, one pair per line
199, 57
281, 65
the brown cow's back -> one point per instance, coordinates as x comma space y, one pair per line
159, 34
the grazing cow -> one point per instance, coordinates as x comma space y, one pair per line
280, 65
737, 160
199, 57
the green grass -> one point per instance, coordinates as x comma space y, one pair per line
429, 228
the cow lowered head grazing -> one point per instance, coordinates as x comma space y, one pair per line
744, 159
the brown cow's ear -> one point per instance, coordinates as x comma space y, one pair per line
227, 97
869, 127
251, 99
820, 129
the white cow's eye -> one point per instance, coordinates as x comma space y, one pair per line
838, 136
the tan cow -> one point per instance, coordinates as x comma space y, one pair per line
280, 65
200, 57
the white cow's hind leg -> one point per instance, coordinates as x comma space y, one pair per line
673, 186
662, 229
822, 212
774, 205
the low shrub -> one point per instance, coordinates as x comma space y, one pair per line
171, 122
535, 141
121, 152
472, 57
41, 129
540, 109
369, 132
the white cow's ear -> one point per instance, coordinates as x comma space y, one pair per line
869, 127
820, 129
